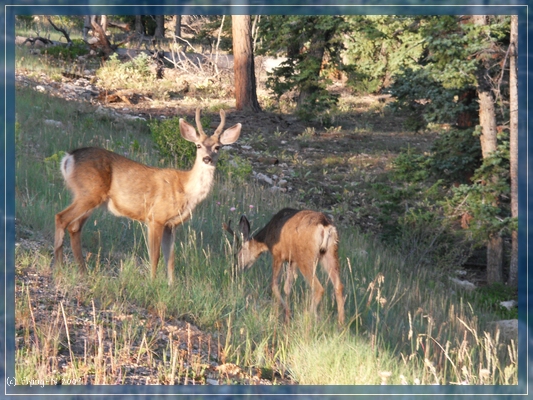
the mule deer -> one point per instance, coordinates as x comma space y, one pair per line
302, 239
162, 198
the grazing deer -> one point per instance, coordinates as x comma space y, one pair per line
302, 239
162, 198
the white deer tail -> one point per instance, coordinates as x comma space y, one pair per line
328, 237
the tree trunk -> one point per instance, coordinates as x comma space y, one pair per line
160, 27
139, 27
494, 259
315, 55
488, 138
177, 25
244, 70
86, 26
513, 100
103, 22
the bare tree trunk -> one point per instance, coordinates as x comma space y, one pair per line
494, 259
488, 138
513, 100
103, 22
245, 85
139, 27
177, 25
86, 26
160, 27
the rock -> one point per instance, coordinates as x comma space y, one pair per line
268, 160
133, 117
509, 304
508, 328
282, 183
262, 177
463, 284
51, 122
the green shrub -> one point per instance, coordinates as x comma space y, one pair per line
456, 155
423, 99
492, 295
135, 73
76, 49
411, 167
236, 168
171, 144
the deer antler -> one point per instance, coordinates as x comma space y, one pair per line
222, 123
199, 123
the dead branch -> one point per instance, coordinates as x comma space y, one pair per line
186, 41
63, 31
126, 40
103, 41
32, 40
120, 25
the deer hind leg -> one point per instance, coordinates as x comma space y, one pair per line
167, 246
330, 263
308, 271
73, 217
74, 229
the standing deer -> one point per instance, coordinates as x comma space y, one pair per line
162, 198
302, 239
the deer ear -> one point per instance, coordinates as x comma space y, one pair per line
231, 135
244, 225
188, 132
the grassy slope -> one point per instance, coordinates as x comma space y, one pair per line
401, 320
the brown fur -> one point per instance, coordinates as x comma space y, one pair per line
302, 239
162, 198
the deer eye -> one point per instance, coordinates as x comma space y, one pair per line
217, 148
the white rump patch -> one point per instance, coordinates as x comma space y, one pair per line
67, 165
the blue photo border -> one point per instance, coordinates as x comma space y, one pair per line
417, 7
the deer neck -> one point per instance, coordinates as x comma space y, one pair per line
199, 182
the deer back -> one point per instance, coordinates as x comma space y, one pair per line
299, 236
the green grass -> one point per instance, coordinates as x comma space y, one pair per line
404, 323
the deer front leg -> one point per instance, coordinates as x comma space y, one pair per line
276, 269
155, 233
289, 281
169, 234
